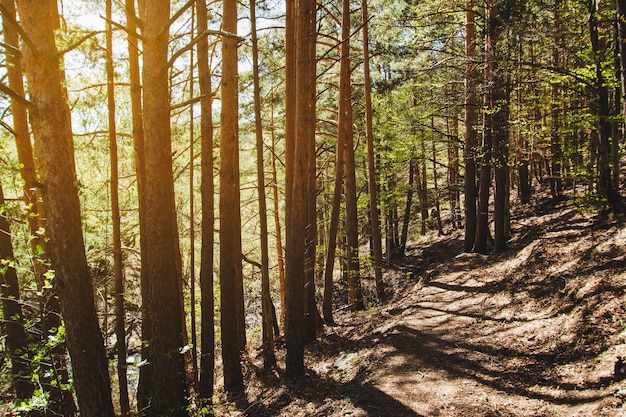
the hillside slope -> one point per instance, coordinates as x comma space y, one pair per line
535, 331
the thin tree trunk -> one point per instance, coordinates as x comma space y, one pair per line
192, 216
407, 209
120, 313
140, 170
355, 294
436, 192
207, 319
277, 226
51, 122
371, 163
269, 359
333, 229
312, 319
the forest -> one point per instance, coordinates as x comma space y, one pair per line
312, 208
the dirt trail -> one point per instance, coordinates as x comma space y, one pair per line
532, 332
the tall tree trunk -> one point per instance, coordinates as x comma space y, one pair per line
13, 323
498, 109
621, 30
355, 294
269, 359
482, 232
471, 120
54, 373
333, 229
192, 216
556, 183
167, 383
207, 319
371, 162
140, 171
312, 319
605, 185
298, 188
230, 217
51, 122
120, 312
523, 151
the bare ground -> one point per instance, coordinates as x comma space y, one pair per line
534, 331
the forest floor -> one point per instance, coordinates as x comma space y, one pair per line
534, 331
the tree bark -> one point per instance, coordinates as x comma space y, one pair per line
230, 218
355, 293
269, 358
207, 319
51, 122
297, 186
471, 119
371, 162
167, 384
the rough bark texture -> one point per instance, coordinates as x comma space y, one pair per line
230, 219
207, 319
471, 118
298, 190
50, 118
167, 390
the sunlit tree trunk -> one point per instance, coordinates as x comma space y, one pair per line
120, 320
297, 192
230, 217
51, 122
207, 319
140, 169
54, 369
167, 384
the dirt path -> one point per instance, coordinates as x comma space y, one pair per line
533, 332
